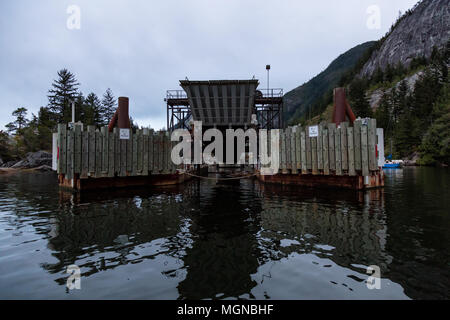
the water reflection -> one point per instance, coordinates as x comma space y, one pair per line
221, 235
207, 241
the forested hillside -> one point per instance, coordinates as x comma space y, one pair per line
312, 96
406, 88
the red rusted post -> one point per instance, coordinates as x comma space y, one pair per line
121, 117
349, 112
341, 107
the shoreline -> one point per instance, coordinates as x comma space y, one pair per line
5, 171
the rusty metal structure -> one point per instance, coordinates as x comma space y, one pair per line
342, 108
121, 117
224, 103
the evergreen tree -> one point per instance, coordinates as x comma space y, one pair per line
93, 110
389, 73
44, 129
358, 99
109, 106
64, 91
80, 109
378, 76
31, 141
134, 125
407, 135
399, 101
383, 114
17, 126
5, 152
426, 91
435, 146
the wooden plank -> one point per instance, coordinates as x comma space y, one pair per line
167, 151
135, 154
293, 150
332, 153
283, 151
320, 148
116, 151
58, 143
145, 151
105, 151
337, 151
372, 141
303, 151
91, 168
98, 154
357, 143
162, 159
156, 153
77, 151
62, 145
298, 143
111, 154
85, 155
344, 143
130, 153
150, 151
70, 154
140, 153
288, 148
123, 157
314, 163
364, 152
326, 162
174, 166
351, 153
308, 150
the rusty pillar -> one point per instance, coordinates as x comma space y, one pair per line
341, 107
121, 117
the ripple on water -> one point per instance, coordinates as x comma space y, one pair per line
206, 241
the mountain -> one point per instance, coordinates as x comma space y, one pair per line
413, 36
298, 101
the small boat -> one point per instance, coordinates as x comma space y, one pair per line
392, 166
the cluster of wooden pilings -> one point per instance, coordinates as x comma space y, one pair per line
334, 156
96, 158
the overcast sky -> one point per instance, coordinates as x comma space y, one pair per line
142, 48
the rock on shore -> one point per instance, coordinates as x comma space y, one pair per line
32, 160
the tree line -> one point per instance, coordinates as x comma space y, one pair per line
25, 135
416, 120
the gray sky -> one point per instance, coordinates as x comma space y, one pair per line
142, 48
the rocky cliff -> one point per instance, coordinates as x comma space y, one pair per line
375, 96
424, 27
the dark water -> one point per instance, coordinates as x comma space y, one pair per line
207, 241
